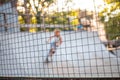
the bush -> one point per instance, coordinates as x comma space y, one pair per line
22, 29
33, 29
34, 20
112, 28
21, 20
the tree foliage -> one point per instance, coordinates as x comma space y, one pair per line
111, 1
36, 8
64, 17
57, 18
110, 16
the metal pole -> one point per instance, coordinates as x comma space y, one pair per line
5, 22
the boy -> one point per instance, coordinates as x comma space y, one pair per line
57, 41
80, 27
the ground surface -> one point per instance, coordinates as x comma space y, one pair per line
81, 54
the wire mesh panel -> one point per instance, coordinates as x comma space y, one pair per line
53, 38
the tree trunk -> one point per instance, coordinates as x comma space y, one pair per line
43, 22
27, 15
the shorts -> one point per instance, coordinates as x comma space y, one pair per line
80, 27
53, 45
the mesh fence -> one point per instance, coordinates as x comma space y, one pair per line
43, 38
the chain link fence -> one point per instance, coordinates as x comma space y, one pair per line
41, 43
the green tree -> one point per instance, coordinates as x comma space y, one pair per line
21, 20
110, 16
57, 18
29, 8
63, 17
33, 20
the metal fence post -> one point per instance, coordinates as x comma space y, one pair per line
5, 22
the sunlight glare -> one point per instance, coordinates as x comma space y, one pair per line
79, 4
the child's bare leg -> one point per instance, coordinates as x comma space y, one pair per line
51, 52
